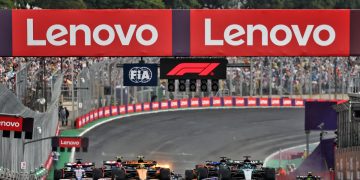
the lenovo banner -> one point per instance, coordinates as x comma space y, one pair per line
92, 32
17, 124
69, 142
269, 32
11, 123
194, 68
166, 32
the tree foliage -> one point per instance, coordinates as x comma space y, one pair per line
59, 4
184, 4
300, 4
124, 4
4, 4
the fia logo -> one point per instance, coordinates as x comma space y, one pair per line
140, 75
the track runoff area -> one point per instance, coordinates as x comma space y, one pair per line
190, 136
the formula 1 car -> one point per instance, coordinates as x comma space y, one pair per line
227, 169
113, 169
78, 170
308, 177
136, 169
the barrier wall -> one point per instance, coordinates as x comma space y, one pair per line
347, 165
108, 111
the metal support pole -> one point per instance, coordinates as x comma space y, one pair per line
251, 77
281, 78
270, 76
310, 78
44, 85
307, 143
72, 93
261, 75
335, 77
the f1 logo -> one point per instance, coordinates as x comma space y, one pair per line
197, 68
203, 69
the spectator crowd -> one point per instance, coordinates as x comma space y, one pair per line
265, 75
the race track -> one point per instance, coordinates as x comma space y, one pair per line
185, 138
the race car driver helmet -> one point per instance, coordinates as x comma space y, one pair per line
309, 174
247, 166
78, 167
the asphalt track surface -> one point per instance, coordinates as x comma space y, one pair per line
185, 138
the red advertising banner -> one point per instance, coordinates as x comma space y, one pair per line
155, 105
91, 116
122, 109
239, 101
125, 32
299, 102
101, 113
194, 102
96, 115
114, 111
264, 101
228, 101
106, 111
286, 102
138, 107
83, 120
164, 105
87, 118
130, 108
146, 106
275, 101
269, 32
69, 142
216, 101
11, 123
251, 101
174, 104
205, 102
184, 103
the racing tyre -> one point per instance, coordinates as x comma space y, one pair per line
269, 173
97, 174
224, 174
189, 175
57, 174
202, 173
118, 174
165, 174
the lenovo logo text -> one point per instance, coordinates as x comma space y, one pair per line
60, 35
237, 35
69, 143
9, 124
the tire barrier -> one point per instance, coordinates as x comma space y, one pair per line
109, 111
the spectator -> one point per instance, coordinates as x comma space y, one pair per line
67, 115
63, 118
55, 155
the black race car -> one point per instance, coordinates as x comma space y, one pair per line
308, 177
113, 169
231, 169
76, 169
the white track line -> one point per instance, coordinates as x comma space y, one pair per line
282, 150
72, 155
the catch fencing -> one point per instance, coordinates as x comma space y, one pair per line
277, 77
45, 125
